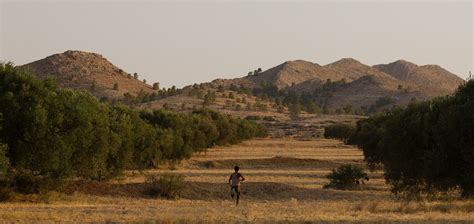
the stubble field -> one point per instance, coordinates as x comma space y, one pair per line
284, 184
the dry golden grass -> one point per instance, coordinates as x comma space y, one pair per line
284, 184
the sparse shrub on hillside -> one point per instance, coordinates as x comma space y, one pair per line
268, 118
280, 109
233, 87
220, 89
115, 87
254, 72
319, 100
135, 75
253, 117
427, 147
209, 98
248, 107
294, 110
93, 85
167, 186
238, 107
312, 108
346, 177
260, 106
382, 102
227, 104
339, 131
348, 109
156, 86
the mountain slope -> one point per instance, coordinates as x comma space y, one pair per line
294, 72
350, 82
89, 71
348, 70
433, 79
353, 69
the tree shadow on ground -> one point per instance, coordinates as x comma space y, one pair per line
271, 191
261, 191
277, 162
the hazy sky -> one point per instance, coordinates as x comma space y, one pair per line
185, 42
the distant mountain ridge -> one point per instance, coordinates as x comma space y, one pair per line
299, 71
353, 83
401, 80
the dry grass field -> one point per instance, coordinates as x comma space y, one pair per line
284, 185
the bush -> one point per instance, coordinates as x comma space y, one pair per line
253, 118
346, 177
168, 185
30, 184
382, 102
210, 164
6, 194
339, 131
269, 118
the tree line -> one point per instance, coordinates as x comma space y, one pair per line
61, 133
425, 148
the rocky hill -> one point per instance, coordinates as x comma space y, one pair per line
89, 71
358, 85
433, 79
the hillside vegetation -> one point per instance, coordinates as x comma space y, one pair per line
346, 86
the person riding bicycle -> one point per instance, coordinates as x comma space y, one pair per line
234, 180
